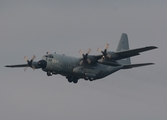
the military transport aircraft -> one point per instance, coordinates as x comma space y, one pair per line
89, 67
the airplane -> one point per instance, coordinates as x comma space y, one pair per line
88, 67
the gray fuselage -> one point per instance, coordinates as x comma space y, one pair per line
70, 66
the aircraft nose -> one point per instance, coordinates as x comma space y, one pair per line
42, 64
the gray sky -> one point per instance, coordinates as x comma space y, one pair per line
66, 26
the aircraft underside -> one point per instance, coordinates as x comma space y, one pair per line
98, 72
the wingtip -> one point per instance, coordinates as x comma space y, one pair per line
153, 47
151, 63
7, 66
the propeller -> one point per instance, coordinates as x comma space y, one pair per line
105, 51
30, 62
85, 56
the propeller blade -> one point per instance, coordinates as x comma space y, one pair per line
33, 57
89, 61
105, 51
33, 67
107, 45
25, 58
85, 57
89, 50
25, 69
99, 50
30, 62
81, 52
81, 62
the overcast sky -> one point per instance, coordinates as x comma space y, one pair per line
34, 27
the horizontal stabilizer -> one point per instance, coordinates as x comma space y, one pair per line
136, 65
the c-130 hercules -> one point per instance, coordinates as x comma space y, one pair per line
89, 67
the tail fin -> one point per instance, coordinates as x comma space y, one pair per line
124, 45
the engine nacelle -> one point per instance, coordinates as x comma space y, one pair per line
112, 55
79, 70
109, 59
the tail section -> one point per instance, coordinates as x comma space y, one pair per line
122, 46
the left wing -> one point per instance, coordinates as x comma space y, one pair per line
20, 65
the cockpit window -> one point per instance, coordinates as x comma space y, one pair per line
48, 56
45, 56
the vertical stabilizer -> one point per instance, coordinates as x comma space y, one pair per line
124, 45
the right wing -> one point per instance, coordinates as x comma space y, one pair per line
121, 54
132, 52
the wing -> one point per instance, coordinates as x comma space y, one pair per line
20, 65
127, 53
132, 52
118, 55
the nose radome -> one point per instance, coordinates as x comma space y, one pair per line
42, 64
